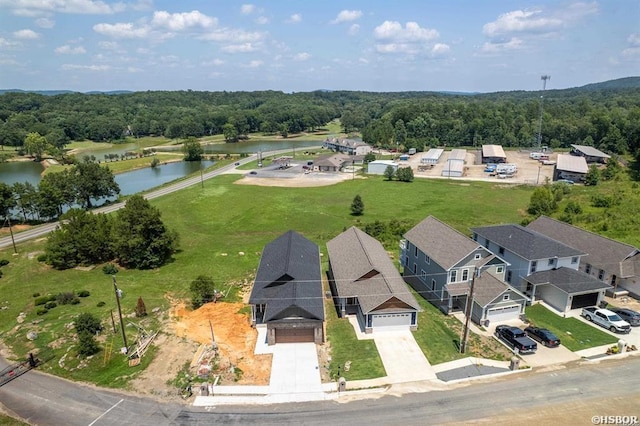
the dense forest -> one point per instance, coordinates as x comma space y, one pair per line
604, 115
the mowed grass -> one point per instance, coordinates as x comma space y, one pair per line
573, 333
223, 228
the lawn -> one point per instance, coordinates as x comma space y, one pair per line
223, 228
573, 333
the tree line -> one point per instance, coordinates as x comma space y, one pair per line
608, 119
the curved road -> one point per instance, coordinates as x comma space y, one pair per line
572, 394
41, 230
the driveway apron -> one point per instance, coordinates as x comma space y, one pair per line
403, 359
294, 369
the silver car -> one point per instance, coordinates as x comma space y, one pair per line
630, 316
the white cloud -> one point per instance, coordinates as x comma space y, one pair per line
521, 21
40, 7
121, 30
247, 9
262, 20
354, 29
411, 33
213, 63
634, 40
86, 67
295, 18
440, 49
255, 64
45, 23
4, 43
363, 60
182, 21
347, 16
499, 47
134, 69
235, 36
108, 45
68, 50
633, 51
239, 48
302, 56
26, 34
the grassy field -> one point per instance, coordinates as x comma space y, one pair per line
573, 333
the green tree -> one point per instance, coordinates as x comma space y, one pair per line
192, 150
612, 168
202, 291
357, 206
230, 132
389, 172
55, 191
93, 181
369, 157
400, 133
36, 145
87, 344
87, 323
7, 200
405, 174
141, 240
542, 201
592, 177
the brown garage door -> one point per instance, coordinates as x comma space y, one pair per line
294, 335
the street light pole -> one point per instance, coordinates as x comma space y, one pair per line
465, 334
117, 293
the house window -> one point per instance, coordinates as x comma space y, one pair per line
552, 261
600, 274
433, 284
477, 256
475, 237
424, 275
427, 259
406, 261
587, 269
454, 276
574, 260
505, 296
465, 274
499, 269
508, 276
415, 251
415, 268
501, 250
613, 280
486, 243
534, 265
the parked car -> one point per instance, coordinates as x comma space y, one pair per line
516, 339
607, 319
543, 336
565, 181
253, 172
630, 316
237, 164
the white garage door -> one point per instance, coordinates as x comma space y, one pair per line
504, 313
391, 320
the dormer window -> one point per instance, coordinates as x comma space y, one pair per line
477, 256
552, 261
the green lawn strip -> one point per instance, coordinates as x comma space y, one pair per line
345, 347
10, 421
573, 333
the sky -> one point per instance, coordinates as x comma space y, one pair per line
305, 45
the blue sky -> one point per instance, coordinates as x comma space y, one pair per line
296, 46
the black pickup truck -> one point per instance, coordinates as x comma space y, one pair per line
516, 339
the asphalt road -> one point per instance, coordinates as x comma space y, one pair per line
574, 393
41, 230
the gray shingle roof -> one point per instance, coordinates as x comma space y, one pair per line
604, 253
440, 242
361, 268
288, 280
487, 288
526, 243
568, 280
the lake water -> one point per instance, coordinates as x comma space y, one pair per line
251, 146
21, 171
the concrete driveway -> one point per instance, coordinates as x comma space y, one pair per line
295, 370
403, 359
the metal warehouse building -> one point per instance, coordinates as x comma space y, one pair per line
493, 154
570, 167
432, 156
455, 163
378, 167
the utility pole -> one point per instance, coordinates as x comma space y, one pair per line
465, 333
118, 292
201, 177
7, 220
544, 79
213, 339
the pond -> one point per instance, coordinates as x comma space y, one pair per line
251, 146
21, 171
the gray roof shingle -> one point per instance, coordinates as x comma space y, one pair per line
604, 253
440, 242
288, 280
568, 280
361, 268
526, 243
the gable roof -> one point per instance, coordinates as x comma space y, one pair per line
331, 160
590, 151
362, 268
526, 243
493, 151
288, 280
604, 253
443, 244
571, 163
488, 288
568, 280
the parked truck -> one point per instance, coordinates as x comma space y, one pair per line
516, 339
607, 319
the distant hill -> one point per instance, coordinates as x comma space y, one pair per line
620, 83
63, 92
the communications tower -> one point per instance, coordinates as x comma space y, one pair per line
544, 79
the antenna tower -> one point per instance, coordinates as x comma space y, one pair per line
544, 79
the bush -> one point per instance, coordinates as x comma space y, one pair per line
36, 294
87, 323
42, 311
84, 293
3, 262
110, 269
50, 305
42, 258
74, 301
87, 344
202, 291
44, 299
100, 304
66, 298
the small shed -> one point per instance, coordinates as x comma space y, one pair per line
378, 167
404, 157
570, 167
432, 156
590, 154
493, 154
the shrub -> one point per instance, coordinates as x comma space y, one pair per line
36, 294
42, 311
84, 293
44, 299
65, 298
4, 262
202, 291
0, 273
74, 301
141, 309
87, 344
50, 305
100, 304
110, 269
87, 323
42, 258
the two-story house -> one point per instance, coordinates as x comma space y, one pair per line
541, 267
